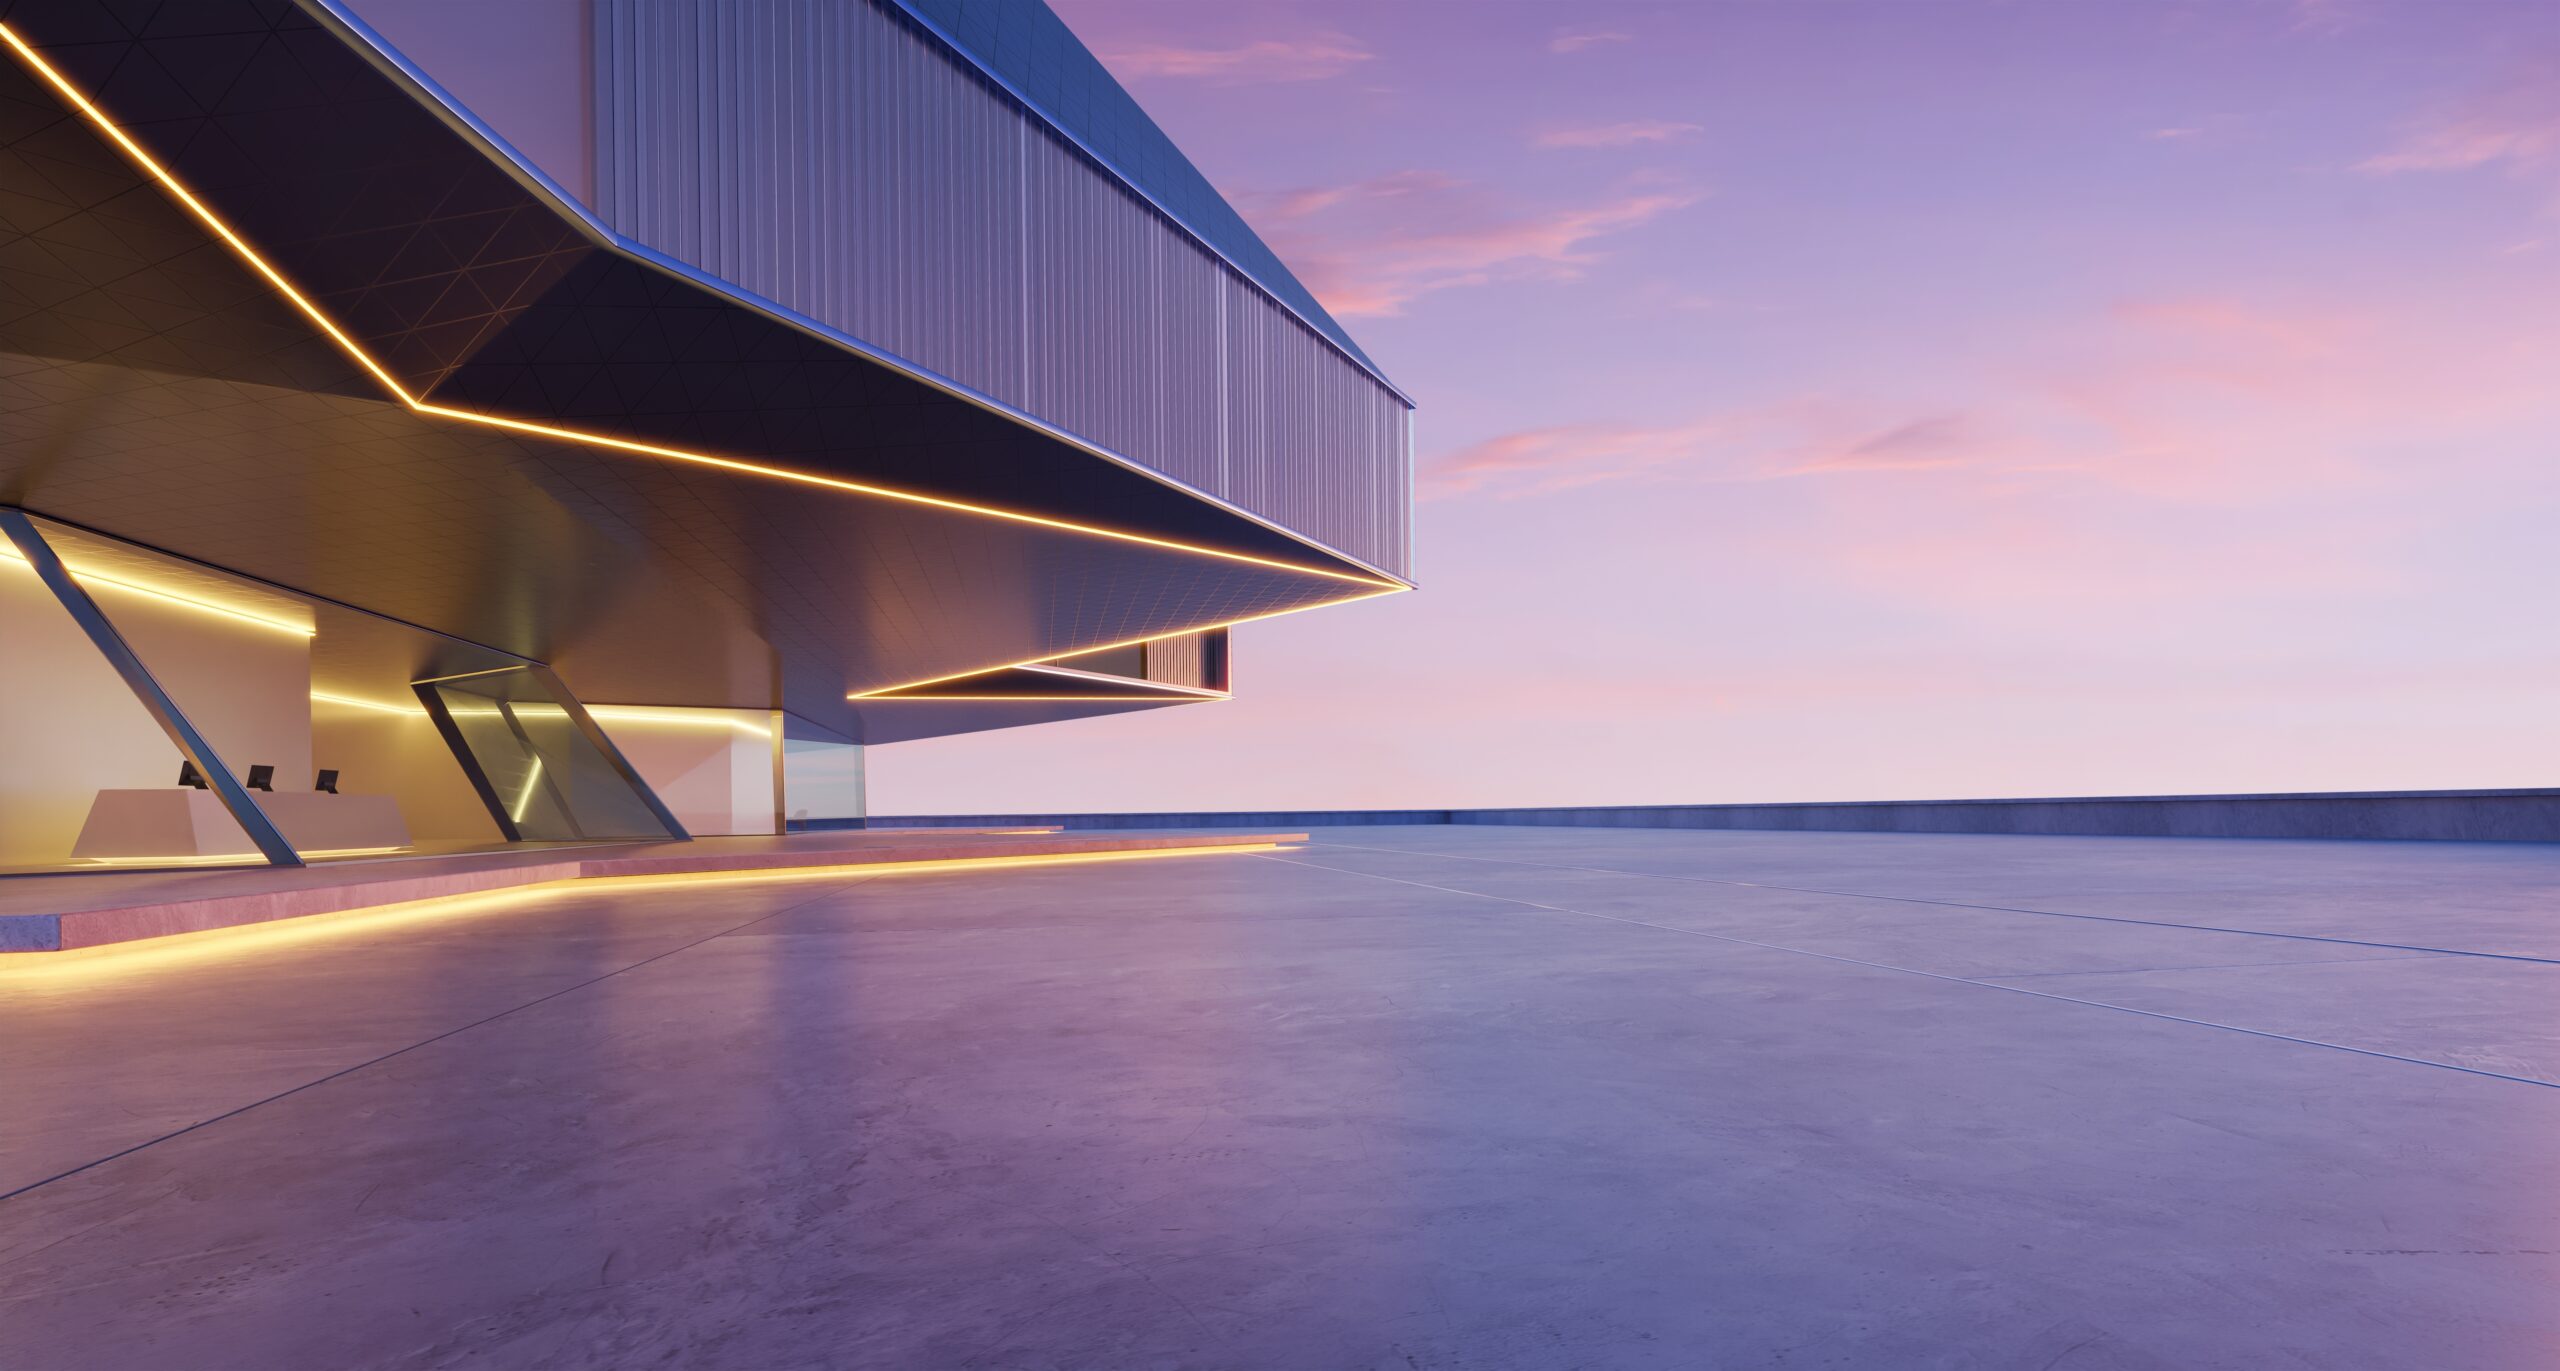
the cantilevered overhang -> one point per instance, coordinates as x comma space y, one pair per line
1188, 669
910, 720
268, 307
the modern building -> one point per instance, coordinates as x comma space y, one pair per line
434, 424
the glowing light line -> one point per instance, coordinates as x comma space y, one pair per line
323, 697
247, 857
240, 246
1151, 692
524, 801
207, 606
884, 692
1162, 699
674, 716
884, 492
1167, 687
156, 953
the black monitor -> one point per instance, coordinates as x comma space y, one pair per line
262, 778
327, 784
191, 778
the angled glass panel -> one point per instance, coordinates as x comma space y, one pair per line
714, 769
822, 777
542, 768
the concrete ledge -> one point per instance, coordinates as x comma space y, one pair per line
917, 849
240, 898
1239, 818
2508, 816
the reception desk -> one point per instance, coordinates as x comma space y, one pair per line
143, 825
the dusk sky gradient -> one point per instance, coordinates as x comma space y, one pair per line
1837, 401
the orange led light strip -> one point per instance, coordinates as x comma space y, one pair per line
239, 246
207, 606
1154, 692
1068, 673
1166, 698
148, 953
350, 701
891, 691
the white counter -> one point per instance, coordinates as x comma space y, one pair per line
125, 825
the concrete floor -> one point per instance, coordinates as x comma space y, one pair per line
1407, 1098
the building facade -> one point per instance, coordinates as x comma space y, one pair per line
433, 424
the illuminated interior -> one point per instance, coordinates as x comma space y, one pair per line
292, 693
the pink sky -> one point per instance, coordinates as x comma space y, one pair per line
1869, 401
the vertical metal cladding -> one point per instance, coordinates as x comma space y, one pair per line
1183, 661
837, 159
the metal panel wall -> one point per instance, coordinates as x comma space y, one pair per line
1032, 54
1193, 659
837, 159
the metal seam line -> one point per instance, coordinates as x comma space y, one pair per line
1933, 975
1987, 908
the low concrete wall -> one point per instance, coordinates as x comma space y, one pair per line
2510, 816
1239, 818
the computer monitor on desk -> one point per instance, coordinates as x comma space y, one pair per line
327, 784
262, 778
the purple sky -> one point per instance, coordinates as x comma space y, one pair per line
1857, 401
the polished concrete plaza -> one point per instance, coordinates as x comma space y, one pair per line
1412, 1098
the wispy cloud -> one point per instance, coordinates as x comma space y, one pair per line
1372, 247
1935, 440
2325, 16
2473, 140
2236, 401
1621, 135
1282, 208
1796, 440
2189, 401
2238, 326
2511, 125
1265, 61
1575, 40
1563, 456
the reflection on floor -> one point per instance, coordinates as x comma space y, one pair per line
1429, 1097
99, 866
61, 913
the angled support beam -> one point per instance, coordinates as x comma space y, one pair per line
460, 746
555, 692
22, 534
596, 738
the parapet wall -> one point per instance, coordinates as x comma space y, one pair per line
2511, 816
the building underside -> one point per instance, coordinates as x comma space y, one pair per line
341, 431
